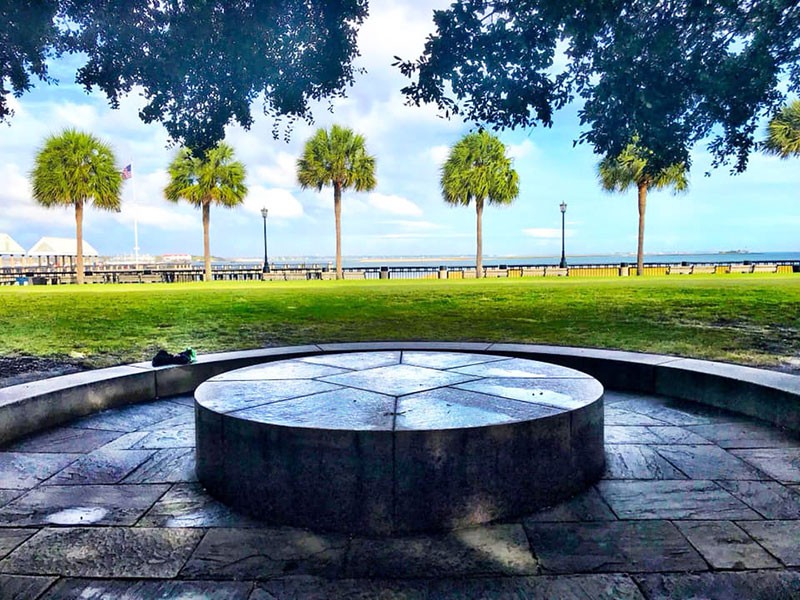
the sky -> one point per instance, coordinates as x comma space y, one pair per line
405, 214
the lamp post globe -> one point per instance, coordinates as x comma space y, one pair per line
563, 263
265, 269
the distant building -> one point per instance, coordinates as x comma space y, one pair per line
60, 251
10, 248
176, 258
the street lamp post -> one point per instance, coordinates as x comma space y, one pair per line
264, 213
563, 263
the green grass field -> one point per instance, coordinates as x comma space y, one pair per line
750, 319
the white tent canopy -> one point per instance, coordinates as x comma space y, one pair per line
9, 246
51, 246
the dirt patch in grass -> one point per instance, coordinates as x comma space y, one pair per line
22, 369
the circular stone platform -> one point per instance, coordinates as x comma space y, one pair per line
398, 441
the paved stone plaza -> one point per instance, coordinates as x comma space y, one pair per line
695, 503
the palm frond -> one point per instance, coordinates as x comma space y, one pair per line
783, 132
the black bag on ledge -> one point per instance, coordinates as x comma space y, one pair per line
163, 358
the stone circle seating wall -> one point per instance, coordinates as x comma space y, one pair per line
771, 396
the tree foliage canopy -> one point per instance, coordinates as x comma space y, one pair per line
477, 169
199, 64
671, 72
630, 169
336, 157
27, 35
74, 167
215, 178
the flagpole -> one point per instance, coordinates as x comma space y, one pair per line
135, 223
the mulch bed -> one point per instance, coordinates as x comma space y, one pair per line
22, 369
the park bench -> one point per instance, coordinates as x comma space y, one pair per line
353, 275
704, 269
741, 269
768, 268
495, 272
680, 270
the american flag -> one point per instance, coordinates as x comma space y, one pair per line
127, 172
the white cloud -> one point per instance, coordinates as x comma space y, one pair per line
521, 150
280, 203
396, 205
438, 154
282, 173
546, 232
415, 225
16, 201
418, 236
80, 116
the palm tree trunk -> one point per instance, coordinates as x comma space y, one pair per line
337, 213
640, 247
479, 236
79, 241
206, 244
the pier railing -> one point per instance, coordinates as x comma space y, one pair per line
26, 275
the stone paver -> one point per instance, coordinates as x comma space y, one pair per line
99, 467
781, 538
94, 589
695, 503
725, 546
578, 587
746, 435
24, 470
103, 552
708, 462
751, 585
587, 506
81, 505
64, 439
265, 553
23, 587
188, 505
672, 500
490, 550
771, 499
13, 537
780, 464
612, 546
633, 461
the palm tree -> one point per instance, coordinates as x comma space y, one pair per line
477, 169
212, 178
783, 132
631, 168
74, 168
338, 158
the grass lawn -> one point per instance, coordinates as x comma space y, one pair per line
750, 319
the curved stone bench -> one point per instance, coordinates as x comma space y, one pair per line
768, 395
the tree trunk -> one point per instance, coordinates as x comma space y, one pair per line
337, 213
206, 245
79, 242
640, 247
479, 236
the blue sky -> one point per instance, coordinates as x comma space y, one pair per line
405, 215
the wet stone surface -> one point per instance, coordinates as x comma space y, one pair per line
385, 445
649, 531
